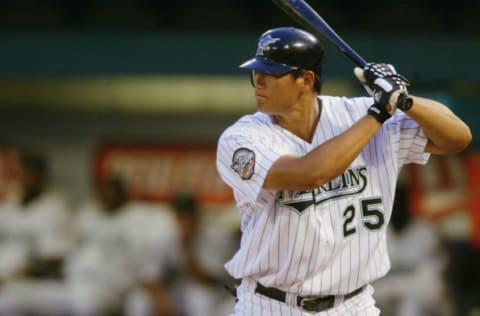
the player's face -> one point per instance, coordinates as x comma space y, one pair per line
275, 93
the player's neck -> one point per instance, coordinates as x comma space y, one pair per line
302, 120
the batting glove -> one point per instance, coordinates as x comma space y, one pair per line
380, 112
386, 92
372, 72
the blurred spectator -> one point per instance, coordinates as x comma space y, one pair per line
415, 285
206, 242
463, 277
118, 252
34, 224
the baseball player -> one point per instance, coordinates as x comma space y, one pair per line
314, 178
34, 225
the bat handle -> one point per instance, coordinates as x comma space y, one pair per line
404, 102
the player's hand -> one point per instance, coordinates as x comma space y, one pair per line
370, 75
381, 112
386, 92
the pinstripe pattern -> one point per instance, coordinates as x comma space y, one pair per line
306, 251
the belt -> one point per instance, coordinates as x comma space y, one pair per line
311, 303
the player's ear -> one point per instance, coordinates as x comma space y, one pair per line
308, 79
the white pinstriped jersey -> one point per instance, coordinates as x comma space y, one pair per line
330, 240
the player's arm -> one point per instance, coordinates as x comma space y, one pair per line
332, 158
445, 131
325, 162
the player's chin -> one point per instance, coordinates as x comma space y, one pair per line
262, 103
263, 108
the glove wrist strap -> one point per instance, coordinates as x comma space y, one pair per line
379, 112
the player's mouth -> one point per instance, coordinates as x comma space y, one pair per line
260, 97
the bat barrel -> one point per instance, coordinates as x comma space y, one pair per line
306, 16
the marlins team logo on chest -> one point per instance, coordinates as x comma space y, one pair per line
263, 44
243, 163
353, 181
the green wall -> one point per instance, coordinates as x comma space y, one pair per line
433, 58
441, 66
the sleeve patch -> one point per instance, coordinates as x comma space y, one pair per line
243, 163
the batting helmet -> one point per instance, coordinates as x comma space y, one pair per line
284, 49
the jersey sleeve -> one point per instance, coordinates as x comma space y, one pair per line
243, 160
412, 141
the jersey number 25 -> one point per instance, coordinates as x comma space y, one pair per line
371, 214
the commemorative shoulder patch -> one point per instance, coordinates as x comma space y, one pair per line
243, 163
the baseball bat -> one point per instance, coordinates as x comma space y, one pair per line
307, 17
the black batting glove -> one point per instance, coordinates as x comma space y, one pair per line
386, 92
373, 72
380, 112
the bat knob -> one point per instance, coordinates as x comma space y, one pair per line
404, 102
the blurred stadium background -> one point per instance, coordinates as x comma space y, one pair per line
123, 86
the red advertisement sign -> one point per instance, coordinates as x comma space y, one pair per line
8, 172
156, 172
447, 185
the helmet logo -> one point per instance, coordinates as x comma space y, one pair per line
264, 42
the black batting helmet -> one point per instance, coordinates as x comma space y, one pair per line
284, 49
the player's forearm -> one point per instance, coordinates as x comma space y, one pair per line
445, 131
333, 157
324, 163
